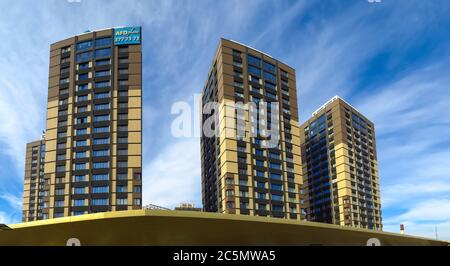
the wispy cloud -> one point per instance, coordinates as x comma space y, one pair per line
5, 218
173, 176
13, 200
424, 218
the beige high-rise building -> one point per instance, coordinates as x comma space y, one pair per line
340, 167
241, 175
93, 160
34, 182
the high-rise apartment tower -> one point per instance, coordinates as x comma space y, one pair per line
340, 167
93, 137
241, 175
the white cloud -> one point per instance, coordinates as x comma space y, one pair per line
429, 210
5, 219
422, 219
14, 201
174, 175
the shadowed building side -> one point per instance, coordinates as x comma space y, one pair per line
340, 167
239, 174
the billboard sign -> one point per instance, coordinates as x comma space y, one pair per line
127, 35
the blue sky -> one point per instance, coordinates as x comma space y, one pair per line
390, 60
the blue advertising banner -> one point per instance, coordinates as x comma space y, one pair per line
127, 35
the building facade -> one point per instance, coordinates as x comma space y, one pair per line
240, 175
34, 182
340, 167
93, 141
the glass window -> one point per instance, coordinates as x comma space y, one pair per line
81, 131
101, 95
82, 109
101, 189
277, 208
100, 202
79, 202
101, 129
275, 165
122, 201
274, 155
276, 186
122, 128
80, 154
58, 215
260, 184
65, 70
259, 163
84, 45
80, 166
65, 49
123, 71
103, 41
253, 60
259, 152
102, 84
121, 176
82, 120
81, 143
122, 164
277, 197
269, 76
103, 62
99, 153
122, 117
275, 176
102, 52
83, 66
100, 165
61, 145
268, 66
62, 134
254, 71
83, 76
86, 56
104, 106
59, 191
83, 87
99, 118
80, 178
121, 189
101, 141
83, 98
100, 177
270, 86
122, 140
271, 95
103, 73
